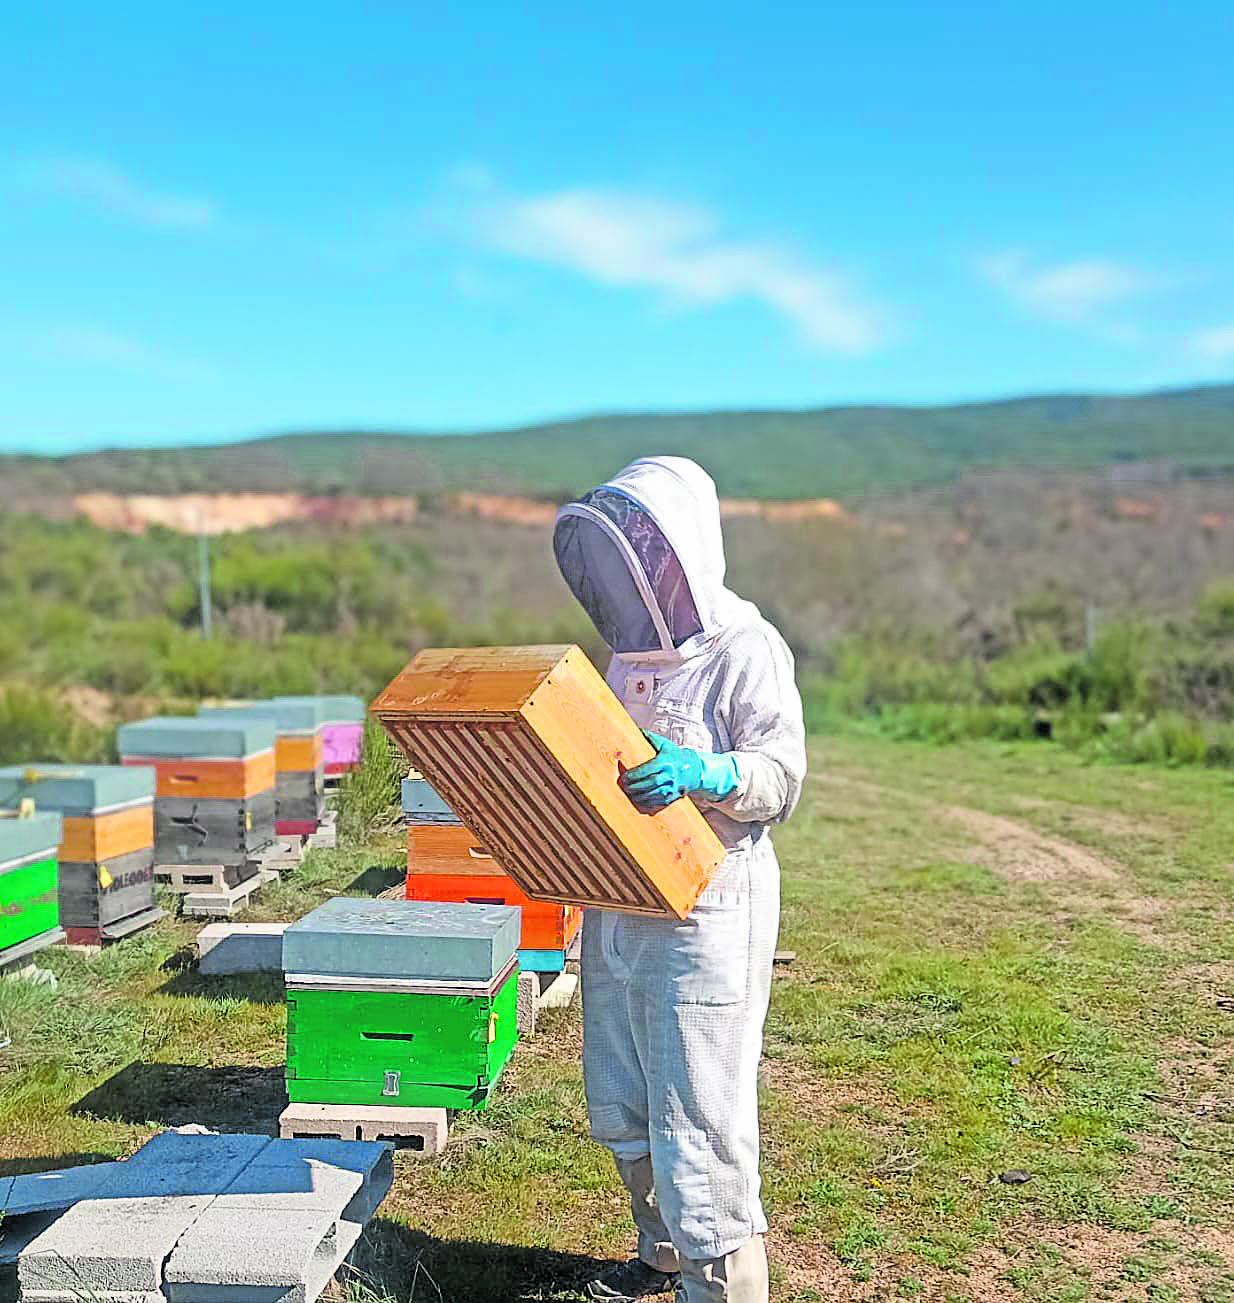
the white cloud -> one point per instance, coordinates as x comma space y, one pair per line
634, 241
106, 188
96, 346
1215, 344
1065, 291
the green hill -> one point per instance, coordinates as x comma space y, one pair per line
843, 452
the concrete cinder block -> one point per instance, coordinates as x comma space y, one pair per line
238, 1255
108, 1247
241, 948
196, 1217
528, 1000
426, 1129
560, 992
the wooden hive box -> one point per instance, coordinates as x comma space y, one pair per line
526, 745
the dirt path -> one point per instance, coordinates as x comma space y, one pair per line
1076, 879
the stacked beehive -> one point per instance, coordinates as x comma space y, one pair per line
400, 1005
299, 758
29, 895
214, 789
107, 852
445, 862
342, 731
527, 744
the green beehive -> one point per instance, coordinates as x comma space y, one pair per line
29, 885
400, 1003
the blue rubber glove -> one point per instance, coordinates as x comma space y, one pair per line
676, 771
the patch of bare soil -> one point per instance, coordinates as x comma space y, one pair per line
1031, 1263
1199, 1079
824, 1099
1082, 881
1022, 854
1212, 982
1112, 822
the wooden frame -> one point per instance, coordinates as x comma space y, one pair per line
526, 745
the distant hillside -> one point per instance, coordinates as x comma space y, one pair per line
838, 452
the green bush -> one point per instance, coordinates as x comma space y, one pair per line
35, 727
370, 797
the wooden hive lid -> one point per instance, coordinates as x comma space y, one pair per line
526, 744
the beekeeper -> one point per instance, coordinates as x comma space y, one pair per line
673, 1011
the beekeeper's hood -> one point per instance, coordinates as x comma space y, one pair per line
644, 554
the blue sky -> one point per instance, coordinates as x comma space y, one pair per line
229, 220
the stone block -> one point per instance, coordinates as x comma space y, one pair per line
234, 1255
241, 948
424, 1130
560, 993
108, 1247
528, 999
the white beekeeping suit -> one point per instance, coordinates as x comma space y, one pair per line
674, 1011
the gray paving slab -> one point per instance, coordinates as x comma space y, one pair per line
46, 1191
241, 948
173, 1157
108, 1246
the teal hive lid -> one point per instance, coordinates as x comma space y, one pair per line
76, 789
37, 837
184, 737
403, 939
304, 715
334, 710
421, 804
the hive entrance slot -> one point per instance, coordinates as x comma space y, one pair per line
388, 1036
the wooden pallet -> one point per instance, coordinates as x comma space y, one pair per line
526, 745
223, 904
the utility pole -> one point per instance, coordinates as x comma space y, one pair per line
203, 577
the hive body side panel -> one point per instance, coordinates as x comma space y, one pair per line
29, 901
591, 735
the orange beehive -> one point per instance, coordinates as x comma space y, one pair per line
526, 745
93, 839
211, 780
545, 926
447, 848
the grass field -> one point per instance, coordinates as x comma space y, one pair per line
1007, 962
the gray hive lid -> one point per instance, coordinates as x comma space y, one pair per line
407, 940
183, 737
36, 837
303, 715
76, 789
334, 709
421, 804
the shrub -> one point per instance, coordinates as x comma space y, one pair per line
370, 797
34, 727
